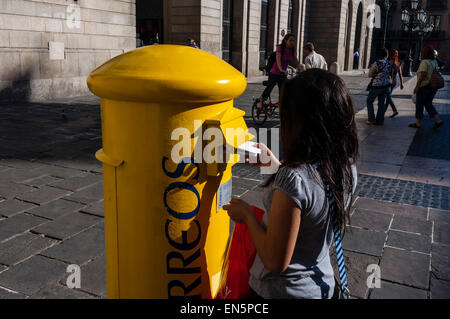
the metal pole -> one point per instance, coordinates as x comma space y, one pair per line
385, 27
407, 68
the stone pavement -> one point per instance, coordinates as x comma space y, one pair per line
51, 200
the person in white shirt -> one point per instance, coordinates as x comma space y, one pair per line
314, 60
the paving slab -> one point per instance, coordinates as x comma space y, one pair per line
395, 291
13, 207
80, 248
43, 195
57, 171
393, 208
97, 209
32, 275
41, 180
440, 215
371, 220
11, 189
18, 224
405, 267
58, 291
78, 182
93, 277
440, 289
56, 209
5, 294
356, 265
422, 227
441, 232
364, 241
409, 241
22, 247
88, 195
440, 261
67, 225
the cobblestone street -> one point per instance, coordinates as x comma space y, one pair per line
51, 198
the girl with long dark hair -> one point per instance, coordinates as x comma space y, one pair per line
285, 55
320, 148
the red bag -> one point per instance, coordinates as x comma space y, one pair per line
240, 258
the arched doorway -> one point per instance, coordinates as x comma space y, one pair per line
227, 30
149, 21
348, 34
358, 31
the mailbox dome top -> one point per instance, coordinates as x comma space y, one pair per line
167, 73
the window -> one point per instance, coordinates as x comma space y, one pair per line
227, 18
436, 21
264, 31
290, 27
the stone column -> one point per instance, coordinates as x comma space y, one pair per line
239, 38
253, 37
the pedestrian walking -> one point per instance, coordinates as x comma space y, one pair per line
356, 59
424, 91
395, 69
320, 149
313, 59
285, 55
380, 72
192, 43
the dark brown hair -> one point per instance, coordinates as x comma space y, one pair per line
309, 46
285, 40
318, 127
428, 53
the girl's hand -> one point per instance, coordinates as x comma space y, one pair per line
238, 210
401, 86
266, 159
416, 89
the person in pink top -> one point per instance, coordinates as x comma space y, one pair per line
286, 54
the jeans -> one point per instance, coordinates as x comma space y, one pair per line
274, 79
381, 93
424, 99
389, 100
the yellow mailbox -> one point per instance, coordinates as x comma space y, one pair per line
166, 232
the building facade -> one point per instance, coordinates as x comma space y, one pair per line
48, 47
438, 12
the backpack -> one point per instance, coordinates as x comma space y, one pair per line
271, 61
436, 80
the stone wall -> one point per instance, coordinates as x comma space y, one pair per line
106, 28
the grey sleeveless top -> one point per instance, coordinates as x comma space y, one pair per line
309, 274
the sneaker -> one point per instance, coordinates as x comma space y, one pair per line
393, 115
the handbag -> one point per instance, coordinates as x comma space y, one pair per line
341, 289
369, 87
240, 257
436, 81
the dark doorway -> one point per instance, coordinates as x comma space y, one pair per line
149, 22
358, 30
264, 31
227, 29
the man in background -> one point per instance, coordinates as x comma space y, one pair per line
313, 59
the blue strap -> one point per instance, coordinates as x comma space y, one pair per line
345, 293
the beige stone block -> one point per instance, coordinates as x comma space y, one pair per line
61, 88
4, 38
46, 38
101, 58
69, 65
29, 63
10, 62
86, 63
37, 23
14, 22
53, 25
80, 86
40, 89
43, 9
35, 40
49, 68
19, 39
127, 43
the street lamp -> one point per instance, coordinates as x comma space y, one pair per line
387, 6
414, 19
